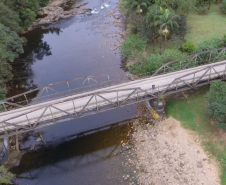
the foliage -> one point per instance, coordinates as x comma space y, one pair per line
132, 46
10, 45
192, 115
139, 6
156, 61
182, 5
5, 176
161, 21
223, 6
10, 48
10, 18
202, 6
182, 29
43, 2
167, 19
26, 9
188, 47
212, 43
217, 102
27, 17
2, 93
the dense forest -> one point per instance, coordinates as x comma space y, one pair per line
16, 17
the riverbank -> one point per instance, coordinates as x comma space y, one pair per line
191, 112
168, 154
56, 10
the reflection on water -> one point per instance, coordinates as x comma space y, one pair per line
35, 49
75, 161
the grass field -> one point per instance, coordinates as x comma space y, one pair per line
192, 115
204, 27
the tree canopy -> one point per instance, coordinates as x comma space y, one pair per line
217, 103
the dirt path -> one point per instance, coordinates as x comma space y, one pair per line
167, 154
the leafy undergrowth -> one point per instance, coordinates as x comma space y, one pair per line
192, 115
204, 27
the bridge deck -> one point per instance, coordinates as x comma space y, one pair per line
82, 104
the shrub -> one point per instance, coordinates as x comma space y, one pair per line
223, 6
188, 47
217, 103
201, 6
156, 61
5, 177
182, 29
132, 46
43, 2
213, 43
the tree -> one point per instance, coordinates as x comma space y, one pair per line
166, 20
11, 45
27, 16
10, 18
141, 6
151, 17
223, 6
217, 103
183, 5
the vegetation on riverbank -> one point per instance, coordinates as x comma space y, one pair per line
193, 115
16, 16
5, 176
183, 27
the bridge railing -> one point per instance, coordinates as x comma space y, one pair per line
202, 58
84, 84
98, 102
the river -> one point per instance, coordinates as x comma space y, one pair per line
78, 46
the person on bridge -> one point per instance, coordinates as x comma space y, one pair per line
153, 88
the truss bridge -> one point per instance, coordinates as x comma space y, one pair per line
79, 97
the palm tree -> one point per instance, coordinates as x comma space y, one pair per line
140, 6
165, 20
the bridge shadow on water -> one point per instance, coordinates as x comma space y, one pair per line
89, 150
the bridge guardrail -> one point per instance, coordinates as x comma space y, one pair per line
78, 85
97, 102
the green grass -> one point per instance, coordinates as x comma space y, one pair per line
192, 115
204, 27
169, 44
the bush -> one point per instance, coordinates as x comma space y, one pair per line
5, 176
132, 46
223, 6
156, 61
217, 103
3, 93
201, 6
182, 29
188, 47
140, 27
43, 2
213, 43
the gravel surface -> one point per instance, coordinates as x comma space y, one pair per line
166, 153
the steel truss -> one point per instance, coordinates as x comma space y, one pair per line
83, 84
97, 102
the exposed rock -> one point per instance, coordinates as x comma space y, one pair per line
53, 13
